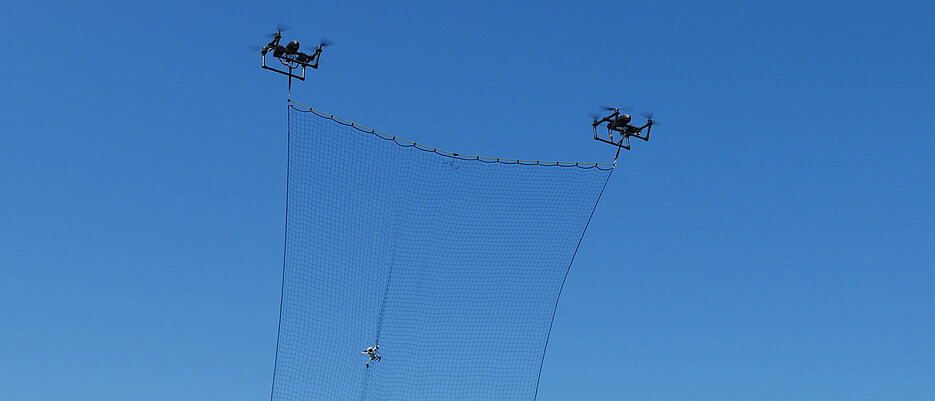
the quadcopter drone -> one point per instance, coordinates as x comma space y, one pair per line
290, 56
620, 123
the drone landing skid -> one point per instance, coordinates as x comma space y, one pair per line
623, 143
289, 74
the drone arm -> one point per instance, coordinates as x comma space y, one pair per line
274, 43
278, 51
605, 119
649, 127
316, 56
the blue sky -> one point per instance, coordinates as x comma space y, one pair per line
772, 242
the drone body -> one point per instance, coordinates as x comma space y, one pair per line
290, 56
620, 123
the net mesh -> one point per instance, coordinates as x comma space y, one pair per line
453, 265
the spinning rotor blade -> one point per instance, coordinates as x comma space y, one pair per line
594, 116
325, 43
280, 28
649, 116
254, 48
624, 108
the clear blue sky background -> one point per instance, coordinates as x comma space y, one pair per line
774, 241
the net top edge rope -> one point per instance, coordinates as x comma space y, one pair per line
407, 143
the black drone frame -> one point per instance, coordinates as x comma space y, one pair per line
625, 131
290, 57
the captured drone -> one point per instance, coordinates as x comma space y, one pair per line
620, 123
290, 56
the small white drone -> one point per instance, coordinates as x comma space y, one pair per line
372, 352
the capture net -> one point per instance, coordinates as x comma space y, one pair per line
452, 264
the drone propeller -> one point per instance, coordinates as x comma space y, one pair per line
280, 28
325, 43
255, 48
649, 116
624, 108
594, 116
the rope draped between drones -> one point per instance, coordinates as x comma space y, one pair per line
407, 143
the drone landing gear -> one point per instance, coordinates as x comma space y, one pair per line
623, 143
289, 74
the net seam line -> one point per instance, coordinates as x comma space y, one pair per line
407, 143
561, 287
